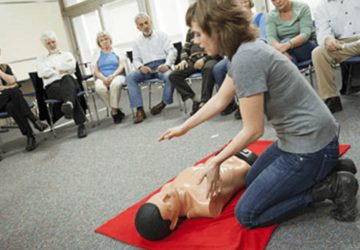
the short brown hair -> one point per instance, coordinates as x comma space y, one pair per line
190, 14
227, 21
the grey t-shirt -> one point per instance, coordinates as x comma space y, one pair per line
300, 118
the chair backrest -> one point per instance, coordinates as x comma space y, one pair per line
178, 47
129, 55
38, 85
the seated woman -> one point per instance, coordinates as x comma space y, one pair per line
221, 68
289, 29
110, 74
183, 197
13, 102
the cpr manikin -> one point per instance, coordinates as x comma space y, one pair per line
184, 198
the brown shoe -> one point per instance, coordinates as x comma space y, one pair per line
158, 108
334, 104
140, 116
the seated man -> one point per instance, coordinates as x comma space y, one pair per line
194, 59
184, 198
153, 55
13, 102
336, 23
57, 71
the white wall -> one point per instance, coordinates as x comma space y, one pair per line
22, 24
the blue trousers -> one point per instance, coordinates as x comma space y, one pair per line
302, 53
280, 183
136, 77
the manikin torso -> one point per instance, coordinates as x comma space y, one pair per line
184, 198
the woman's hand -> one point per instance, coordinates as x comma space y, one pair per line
283, 47
173, 132
108, 80
212, 174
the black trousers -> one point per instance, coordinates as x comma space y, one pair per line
177, 80
65, 90
13, 102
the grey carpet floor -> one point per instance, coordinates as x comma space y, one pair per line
57, 195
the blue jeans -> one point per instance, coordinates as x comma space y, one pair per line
280, 183
220, 70
136, 77
302, 53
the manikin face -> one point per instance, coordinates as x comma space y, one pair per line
204, 40
105, 42
144, 25
51, 45
169, 205
280, 4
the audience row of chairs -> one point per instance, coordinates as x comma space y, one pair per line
350, 80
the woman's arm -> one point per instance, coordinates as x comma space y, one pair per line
252, 112
97, 72
119, 69
271, 29
214, 106
7, 76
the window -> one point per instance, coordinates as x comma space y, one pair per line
169, 17
69, 3
86, 27
119, 21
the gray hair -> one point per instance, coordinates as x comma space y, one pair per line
140, 15
251, 3
47, 35
100, 34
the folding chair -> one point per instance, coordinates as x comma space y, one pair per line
9, 124
307, 68
350, 71
46, 105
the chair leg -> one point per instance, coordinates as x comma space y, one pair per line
127, 91
179, 99
2, 145
96, 110
51, 120
88, 106
149, 86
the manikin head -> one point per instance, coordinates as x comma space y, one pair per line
144, 24
49, 40
159, 216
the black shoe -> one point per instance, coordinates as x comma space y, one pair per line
121, 114
237, 114
40, 126
67, 109
229, 109
345, 164
82, 131
341, 188
31, 143
195, 107
334, 104
118, 116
